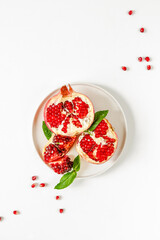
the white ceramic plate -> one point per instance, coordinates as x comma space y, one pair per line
102, 100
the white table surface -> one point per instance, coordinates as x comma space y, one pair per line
43, 45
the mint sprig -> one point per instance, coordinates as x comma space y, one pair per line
46, 131
98, 117
69, 177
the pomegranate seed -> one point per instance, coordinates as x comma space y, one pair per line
15, 212
124, 68
61, 210
33, 185
34, 178
147, 59
141, 30
140, 59
42, 184
57, 197
130, 12
148, 67
1, 218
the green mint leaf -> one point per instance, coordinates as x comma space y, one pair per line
66, 180
46, 131
97, 119
76, 164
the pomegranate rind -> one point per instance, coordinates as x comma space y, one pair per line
85, 156
72, 130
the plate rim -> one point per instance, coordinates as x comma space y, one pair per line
120, 107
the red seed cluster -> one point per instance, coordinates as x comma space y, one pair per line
68, 106
65, 124
51, 152
104, 151
62, 166
55, 115
62, 142
81, 107
76, 121
101, 129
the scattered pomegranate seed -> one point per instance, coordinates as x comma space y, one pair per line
1, 218
15, 212
124, 68
61, 210
147, 59
140, 59
141, 30
42, 184
148, 67
130, 12
33, 185
57, 197
34, 178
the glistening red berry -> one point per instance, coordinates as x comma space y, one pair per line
61, 210
33, 185
141, 30
140, 59
130, 12
57, 197
15, 212
42, 184
34, 178
148, 67
147, 59
124, 68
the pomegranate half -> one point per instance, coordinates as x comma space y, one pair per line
68, 113
99, 145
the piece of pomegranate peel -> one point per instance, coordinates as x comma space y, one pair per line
98, 146
68, 113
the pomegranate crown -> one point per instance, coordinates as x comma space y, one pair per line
66, 91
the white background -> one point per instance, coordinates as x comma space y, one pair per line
44, 44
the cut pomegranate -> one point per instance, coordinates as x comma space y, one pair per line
99, 145
62, 165
57, 147
68, 113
